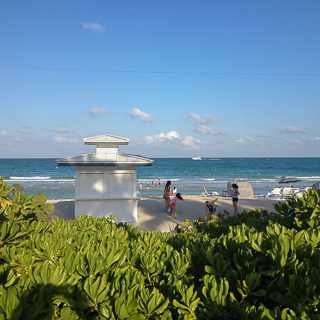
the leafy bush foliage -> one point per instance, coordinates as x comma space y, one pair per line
14, 204
301, 214
228, 269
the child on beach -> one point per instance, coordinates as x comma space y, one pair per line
173, 204
234, 194
210, 209
209, 206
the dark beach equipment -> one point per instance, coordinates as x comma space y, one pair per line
316, 186
289, 180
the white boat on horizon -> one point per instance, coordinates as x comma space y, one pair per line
197, 158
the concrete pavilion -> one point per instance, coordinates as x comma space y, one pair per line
105, 181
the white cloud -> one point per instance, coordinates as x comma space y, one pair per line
64, 140
191, 143
23, 131
97, 112
86, 94
205, 119
202, 129
241, 141
62, 129
18, 139
290, 129
143, 116
3, 134
171, 135
315, 139
94, 27
251, 139
172, 139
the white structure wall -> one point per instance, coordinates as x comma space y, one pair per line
104, 191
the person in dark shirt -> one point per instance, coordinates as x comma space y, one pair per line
209, 207
234, 194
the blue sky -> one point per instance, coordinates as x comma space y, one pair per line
178, 78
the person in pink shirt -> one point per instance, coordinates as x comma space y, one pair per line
173, 204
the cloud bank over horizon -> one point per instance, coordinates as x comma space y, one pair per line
291, 129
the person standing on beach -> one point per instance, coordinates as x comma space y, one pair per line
173, 204
159, 182
175, 190
166, 196
152, 183
234, 194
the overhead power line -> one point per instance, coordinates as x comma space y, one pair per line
167, 72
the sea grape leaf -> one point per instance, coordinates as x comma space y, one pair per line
40, 199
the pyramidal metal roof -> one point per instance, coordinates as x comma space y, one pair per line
106, 159
107, 154
106, 139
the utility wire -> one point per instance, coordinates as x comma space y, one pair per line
168, 72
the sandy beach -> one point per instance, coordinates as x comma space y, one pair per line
151, 215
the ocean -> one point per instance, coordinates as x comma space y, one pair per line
189, 176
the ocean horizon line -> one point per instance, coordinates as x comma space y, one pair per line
43, 175
202, 158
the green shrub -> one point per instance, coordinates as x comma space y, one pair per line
246, 267
302, 213
14, 204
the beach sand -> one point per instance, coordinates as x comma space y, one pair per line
151, 215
